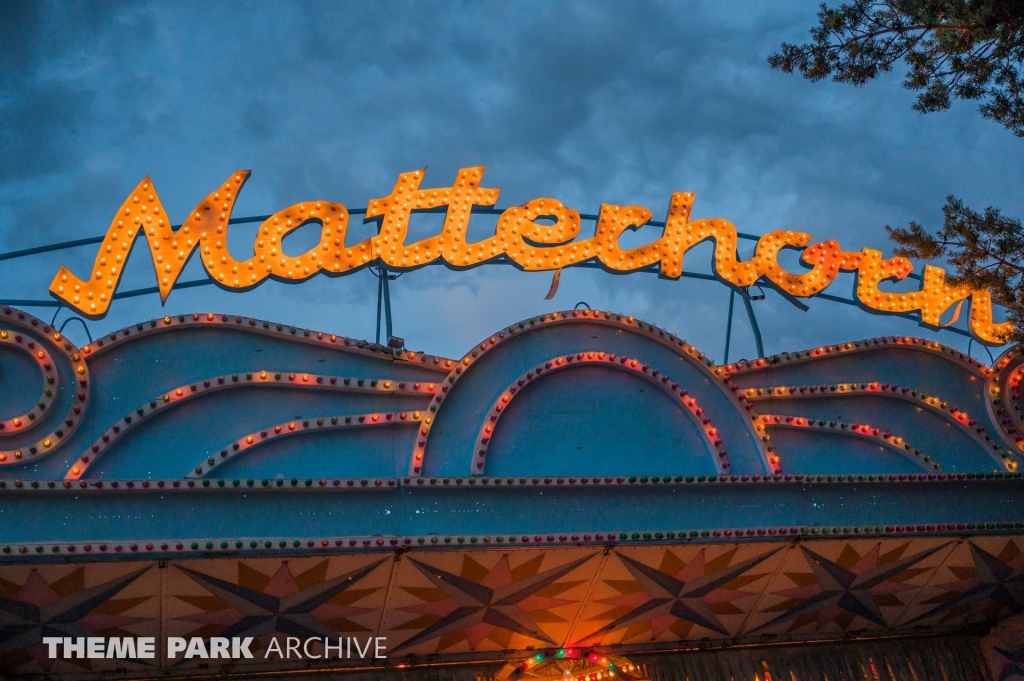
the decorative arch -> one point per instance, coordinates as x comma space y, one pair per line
715, 374
634, 367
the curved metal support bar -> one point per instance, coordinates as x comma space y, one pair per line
185, 393
80, 321
593, 357
247, 443
912, 316
11, 255
862, 431
117, 296
970, 343
792, 300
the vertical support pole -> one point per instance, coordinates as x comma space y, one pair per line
162, 641
380, 297
753, 323
387, 302
728, 328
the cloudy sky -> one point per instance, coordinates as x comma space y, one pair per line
590, 102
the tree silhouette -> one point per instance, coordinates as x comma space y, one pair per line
967, 49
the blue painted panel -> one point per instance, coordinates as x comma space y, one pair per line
902, 365
175, 441
122, 516
815, 452
20, 382
596, 420
451, 445
954, 449
582, 421
135, 372
379, 453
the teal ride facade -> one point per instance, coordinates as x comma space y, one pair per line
581, 493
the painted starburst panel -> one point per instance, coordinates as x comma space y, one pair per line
846, 586
1003, 649
105, 599
487, 600
673, 593
982, 580
275, 598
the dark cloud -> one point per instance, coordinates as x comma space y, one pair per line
38, 131
583, 101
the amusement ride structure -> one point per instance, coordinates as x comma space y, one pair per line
582, 495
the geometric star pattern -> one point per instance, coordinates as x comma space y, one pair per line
479, 601
267, 600
1012, 664
858, 585
981, 581
484, 601
677, 595
34, 606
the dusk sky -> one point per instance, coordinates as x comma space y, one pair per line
620, 103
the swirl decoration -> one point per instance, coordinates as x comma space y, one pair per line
919, 398
633, 367
51, 382
860, 430
23, 331
186, 393
53, 354
715, 374
247, 443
